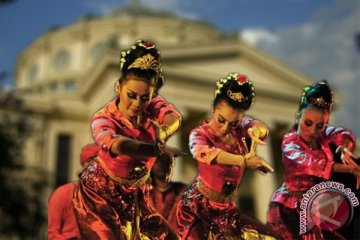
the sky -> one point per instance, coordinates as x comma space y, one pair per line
316, 37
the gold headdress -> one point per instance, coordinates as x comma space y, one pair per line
235, 96
148, 61
319, 101
313, 95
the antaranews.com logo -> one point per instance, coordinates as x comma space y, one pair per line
328, 205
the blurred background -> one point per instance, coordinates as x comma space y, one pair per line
59, 61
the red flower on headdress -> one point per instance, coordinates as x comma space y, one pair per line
242, 79
147, 44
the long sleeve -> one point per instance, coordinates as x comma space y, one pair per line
339, 136
201, 149
304, 166
159, 107
104, 132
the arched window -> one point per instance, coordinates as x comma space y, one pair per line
97, 50
70, 85
33, 72
53, 87
61, 60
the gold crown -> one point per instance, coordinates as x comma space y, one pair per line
319, 101
237, 96
146, 62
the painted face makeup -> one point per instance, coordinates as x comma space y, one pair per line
135, 96
224, 119
312, 123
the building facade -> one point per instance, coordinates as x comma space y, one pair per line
68, 73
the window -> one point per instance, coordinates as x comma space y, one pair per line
97, 50
61, 60
70, 86
62, 159
33, 72
53, 87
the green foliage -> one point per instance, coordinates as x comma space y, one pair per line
22, 213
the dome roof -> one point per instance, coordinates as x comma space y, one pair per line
56, 59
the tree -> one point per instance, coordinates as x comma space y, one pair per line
22, 215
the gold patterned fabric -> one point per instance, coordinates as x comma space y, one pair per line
214, 195
201, 218
106, 209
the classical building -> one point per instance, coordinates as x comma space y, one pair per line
68, 73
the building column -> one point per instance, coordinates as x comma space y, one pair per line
174, 141
263, 185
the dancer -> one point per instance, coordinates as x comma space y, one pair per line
61, 219
221, 147
308, 160
165, 194
112, 198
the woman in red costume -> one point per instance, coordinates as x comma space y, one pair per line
112, 198
61, 218
165, 194
220, 146
308, 160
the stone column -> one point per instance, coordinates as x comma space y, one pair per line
263, 186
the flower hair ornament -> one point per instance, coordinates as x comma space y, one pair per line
147, 61
240, 80
317, 101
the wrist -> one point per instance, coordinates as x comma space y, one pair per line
342, 168
242, 161
157, 149
171, 128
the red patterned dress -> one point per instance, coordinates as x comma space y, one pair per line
165, 202
207, 209
112, 198
303, 168
61, 218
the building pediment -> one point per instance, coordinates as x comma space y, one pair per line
205, 64
191, 72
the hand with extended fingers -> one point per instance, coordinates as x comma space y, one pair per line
347, 157
255, 162
350, 159
256, 133
356, 172
161, 134
260, 130
171, 152
164, 131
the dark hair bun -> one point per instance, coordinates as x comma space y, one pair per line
319, 95
237, 90
143, 61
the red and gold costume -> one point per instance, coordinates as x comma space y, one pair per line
61, 218
207, 209
303, 168
165, 202
112, 198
